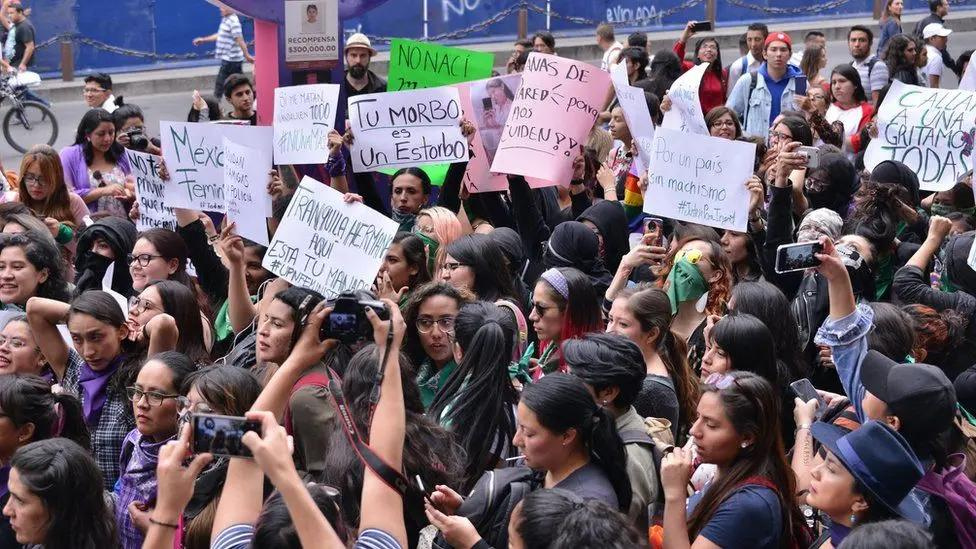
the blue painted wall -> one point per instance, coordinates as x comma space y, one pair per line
161, 30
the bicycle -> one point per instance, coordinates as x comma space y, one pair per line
28, 122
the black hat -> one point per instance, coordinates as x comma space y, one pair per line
918, 391
881, 461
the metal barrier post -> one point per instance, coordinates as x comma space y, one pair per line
523, 23
425, 20
67, 60
710, 10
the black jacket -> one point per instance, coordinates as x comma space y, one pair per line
120, 234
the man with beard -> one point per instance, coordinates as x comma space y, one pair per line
359, 79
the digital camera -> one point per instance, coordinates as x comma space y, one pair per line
348, 322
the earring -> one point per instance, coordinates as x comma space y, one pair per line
853, 519
744, 445
701, 303
603, 403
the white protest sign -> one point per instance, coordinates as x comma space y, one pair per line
636, 113
303, 116
406, 128
968, 80
194, 155
700, 179
686, 112
153, 211
930, 130
327, 245
248, 202
107, 280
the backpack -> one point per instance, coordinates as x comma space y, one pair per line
492, 501
313, 379
635, 436
959, 494
753, 81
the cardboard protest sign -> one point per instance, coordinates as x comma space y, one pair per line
552, 114
245, 180
327, 245
636, 113
194, 155
477, 176
415, 65
303, 117
153, 211
408, 128
686, 113
930, 130
701, 179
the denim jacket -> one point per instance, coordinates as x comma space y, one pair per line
759, 103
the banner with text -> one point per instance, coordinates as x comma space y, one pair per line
408, 128
194, 155
930, 130
303, 117
700, 179
636, 113
551, 117
686, 112
327, 245
415, 65
153, 212
245, 190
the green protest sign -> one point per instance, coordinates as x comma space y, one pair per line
415, 65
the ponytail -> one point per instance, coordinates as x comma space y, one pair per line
69, 420
608, 452
28, 399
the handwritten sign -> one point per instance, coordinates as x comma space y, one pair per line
153, 212
686, 113
636, 114
327, 245
408, 128
416, 65
930, 130
701, 179
194, 155
551, 116
303, 116
245, 179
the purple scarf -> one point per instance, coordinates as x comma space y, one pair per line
94, 389
137, 482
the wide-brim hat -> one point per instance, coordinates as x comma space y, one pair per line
359, 40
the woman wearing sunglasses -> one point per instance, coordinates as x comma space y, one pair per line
430, 317
750, 502
156, 403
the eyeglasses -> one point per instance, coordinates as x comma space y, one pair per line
140, 305
426, 325
723, 124
692, 256
142, 259
451, 266
424, 229
778, 136
92, 91
15, 343
542, 308
32, 179
135, 394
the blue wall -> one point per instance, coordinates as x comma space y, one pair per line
162, 30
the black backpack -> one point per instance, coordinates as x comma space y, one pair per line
492, 501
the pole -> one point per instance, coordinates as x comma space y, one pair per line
425, 20
548, 15
523, 23
67, 60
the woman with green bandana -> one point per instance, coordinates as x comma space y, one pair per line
698, 282
430, 316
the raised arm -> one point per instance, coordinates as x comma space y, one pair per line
44, 315
162, 333
240, 309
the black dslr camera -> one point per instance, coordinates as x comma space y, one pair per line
348, 322
137, 140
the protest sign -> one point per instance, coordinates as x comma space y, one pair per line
930, 130
327, 245
686, 112
408, 128
968, 80
303, 117
636, 113
415, 65
551, 117
194, 155
245, 190
153, 212
477, 176
701, 179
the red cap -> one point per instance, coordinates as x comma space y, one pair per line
778, 37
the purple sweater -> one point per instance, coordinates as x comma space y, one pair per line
76, 170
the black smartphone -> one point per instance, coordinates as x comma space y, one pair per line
800, 87
702, 26
486, 103
221, 435
806, 391
796, 257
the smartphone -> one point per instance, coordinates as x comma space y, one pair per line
806, 391
702, 26
800, 85
813, 156
486, 103
655, 225
221, 435
797, 257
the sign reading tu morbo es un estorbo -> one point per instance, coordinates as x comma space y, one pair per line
929, 130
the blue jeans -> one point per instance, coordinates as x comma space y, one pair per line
227, 68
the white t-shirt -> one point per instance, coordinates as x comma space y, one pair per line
611, 56
934, 66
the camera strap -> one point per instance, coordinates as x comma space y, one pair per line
374, 395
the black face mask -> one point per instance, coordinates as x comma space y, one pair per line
357, 71
862, 281
91, 269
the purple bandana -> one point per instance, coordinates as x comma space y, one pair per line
94, 389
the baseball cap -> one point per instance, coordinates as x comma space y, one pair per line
359, 40
917, 393
779, 37
935, 29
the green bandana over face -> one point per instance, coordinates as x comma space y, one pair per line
944, 210
431, 246
685, 283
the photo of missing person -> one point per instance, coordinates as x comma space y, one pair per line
311, 22
492, 101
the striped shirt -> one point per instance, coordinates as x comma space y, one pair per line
227, 48
239, 536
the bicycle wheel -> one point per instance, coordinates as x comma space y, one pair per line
34, 123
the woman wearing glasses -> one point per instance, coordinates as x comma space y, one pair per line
156, 402
723, 122
565, 305
430, 317
172, 299
161, 254
19, 353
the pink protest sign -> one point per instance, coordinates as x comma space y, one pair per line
550, 118
478, 177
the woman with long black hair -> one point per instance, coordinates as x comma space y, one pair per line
95, 166
475, 263
711, 91
849, 105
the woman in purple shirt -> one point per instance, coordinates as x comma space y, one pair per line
96, 167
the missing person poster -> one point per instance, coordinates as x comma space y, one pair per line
311, 34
